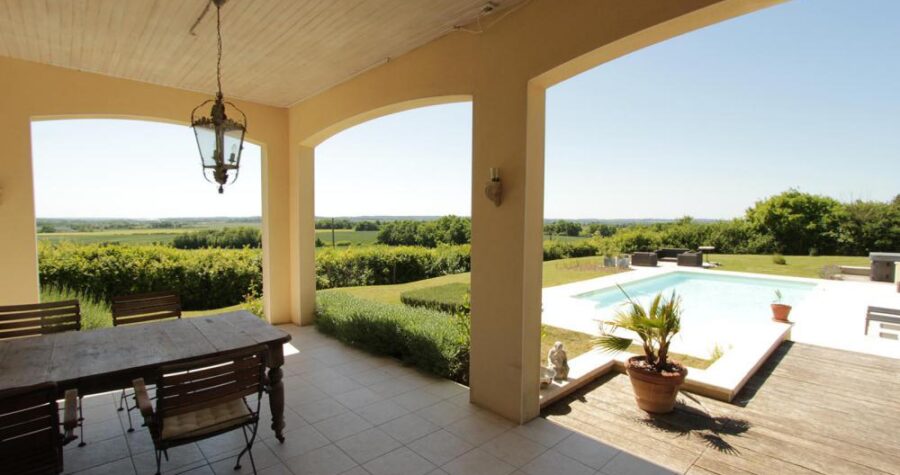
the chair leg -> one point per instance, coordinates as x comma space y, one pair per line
128, 413
82, 443
121, 401
158, 460
249, 448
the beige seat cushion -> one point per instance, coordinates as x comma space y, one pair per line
203, 421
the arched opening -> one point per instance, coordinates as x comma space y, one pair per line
124, 201
723, 139
392, 207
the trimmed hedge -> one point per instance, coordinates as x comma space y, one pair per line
433, 341
379, 265
449, 298
554, 250
205, 278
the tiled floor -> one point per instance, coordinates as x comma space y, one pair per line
351, 413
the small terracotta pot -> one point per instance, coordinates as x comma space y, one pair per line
654, 392
780, 312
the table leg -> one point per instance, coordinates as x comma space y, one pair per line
276, 394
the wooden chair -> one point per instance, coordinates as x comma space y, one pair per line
30, 437
143, 308
30, 320
19, 321
203, 398
883, 315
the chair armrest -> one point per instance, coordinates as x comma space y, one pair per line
143, 399
70, 415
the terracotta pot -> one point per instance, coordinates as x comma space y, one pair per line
780, 312
654, 392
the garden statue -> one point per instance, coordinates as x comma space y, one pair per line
559, 361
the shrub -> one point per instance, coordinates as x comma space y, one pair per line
799, 221
449, 298
378, 265
366, 226
871, 226
446, 230
563, 228
637, 239
554, 250
430, 340
778, 259
205, 278
237, 237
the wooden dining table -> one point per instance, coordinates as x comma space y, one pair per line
108, 359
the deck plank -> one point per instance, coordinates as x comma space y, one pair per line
808, 410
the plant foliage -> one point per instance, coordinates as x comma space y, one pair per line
655, 326
433, 341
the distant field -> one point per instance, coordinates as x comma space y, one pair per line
356, 238
124, 236
165, 236
556, 237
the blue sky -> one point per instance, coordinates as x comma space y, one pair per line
802, 95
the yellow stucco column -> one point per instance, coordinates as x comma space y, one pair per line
303, 235
18, 245
506, 249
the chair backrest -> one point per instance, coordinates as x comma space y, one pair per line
207, 382
140, 308
30, 439
39, 319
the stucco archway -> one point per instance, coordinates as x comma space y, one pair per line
303, 265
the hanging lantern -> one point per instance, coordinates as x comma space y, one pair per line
220, 138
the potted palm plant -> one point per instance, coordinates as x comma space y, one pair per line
780, 311
654, 377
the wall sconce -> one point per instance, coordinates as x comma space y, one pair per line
493, 189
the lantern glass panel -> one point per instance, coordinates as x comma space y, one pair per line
206, 141
234, 139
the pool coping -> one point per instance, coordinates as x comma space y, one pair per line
722, 380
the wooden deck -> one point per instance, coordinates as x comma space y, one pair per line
808, 410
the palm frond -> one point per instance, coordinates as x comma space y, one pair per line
612, 343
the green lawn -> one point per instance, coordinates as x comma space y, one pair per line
555, 273
558, 272
797, 266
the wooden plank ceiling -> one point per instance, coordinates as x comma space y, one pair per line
276, 52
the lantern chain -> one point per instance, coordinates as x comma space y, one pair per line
219, 57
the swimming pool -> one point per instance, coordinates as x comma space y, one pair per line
715, 307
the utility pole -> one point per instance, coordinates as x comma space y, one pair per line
333, 245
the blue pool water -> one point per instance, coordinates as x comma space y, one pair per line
708, 299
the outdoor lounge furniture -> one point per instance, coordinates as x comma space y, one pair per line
108, 359
34, 320
690, 259
30, 438
142, 308
670, 254
881, 314
883, 266
644, 259
203, 398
